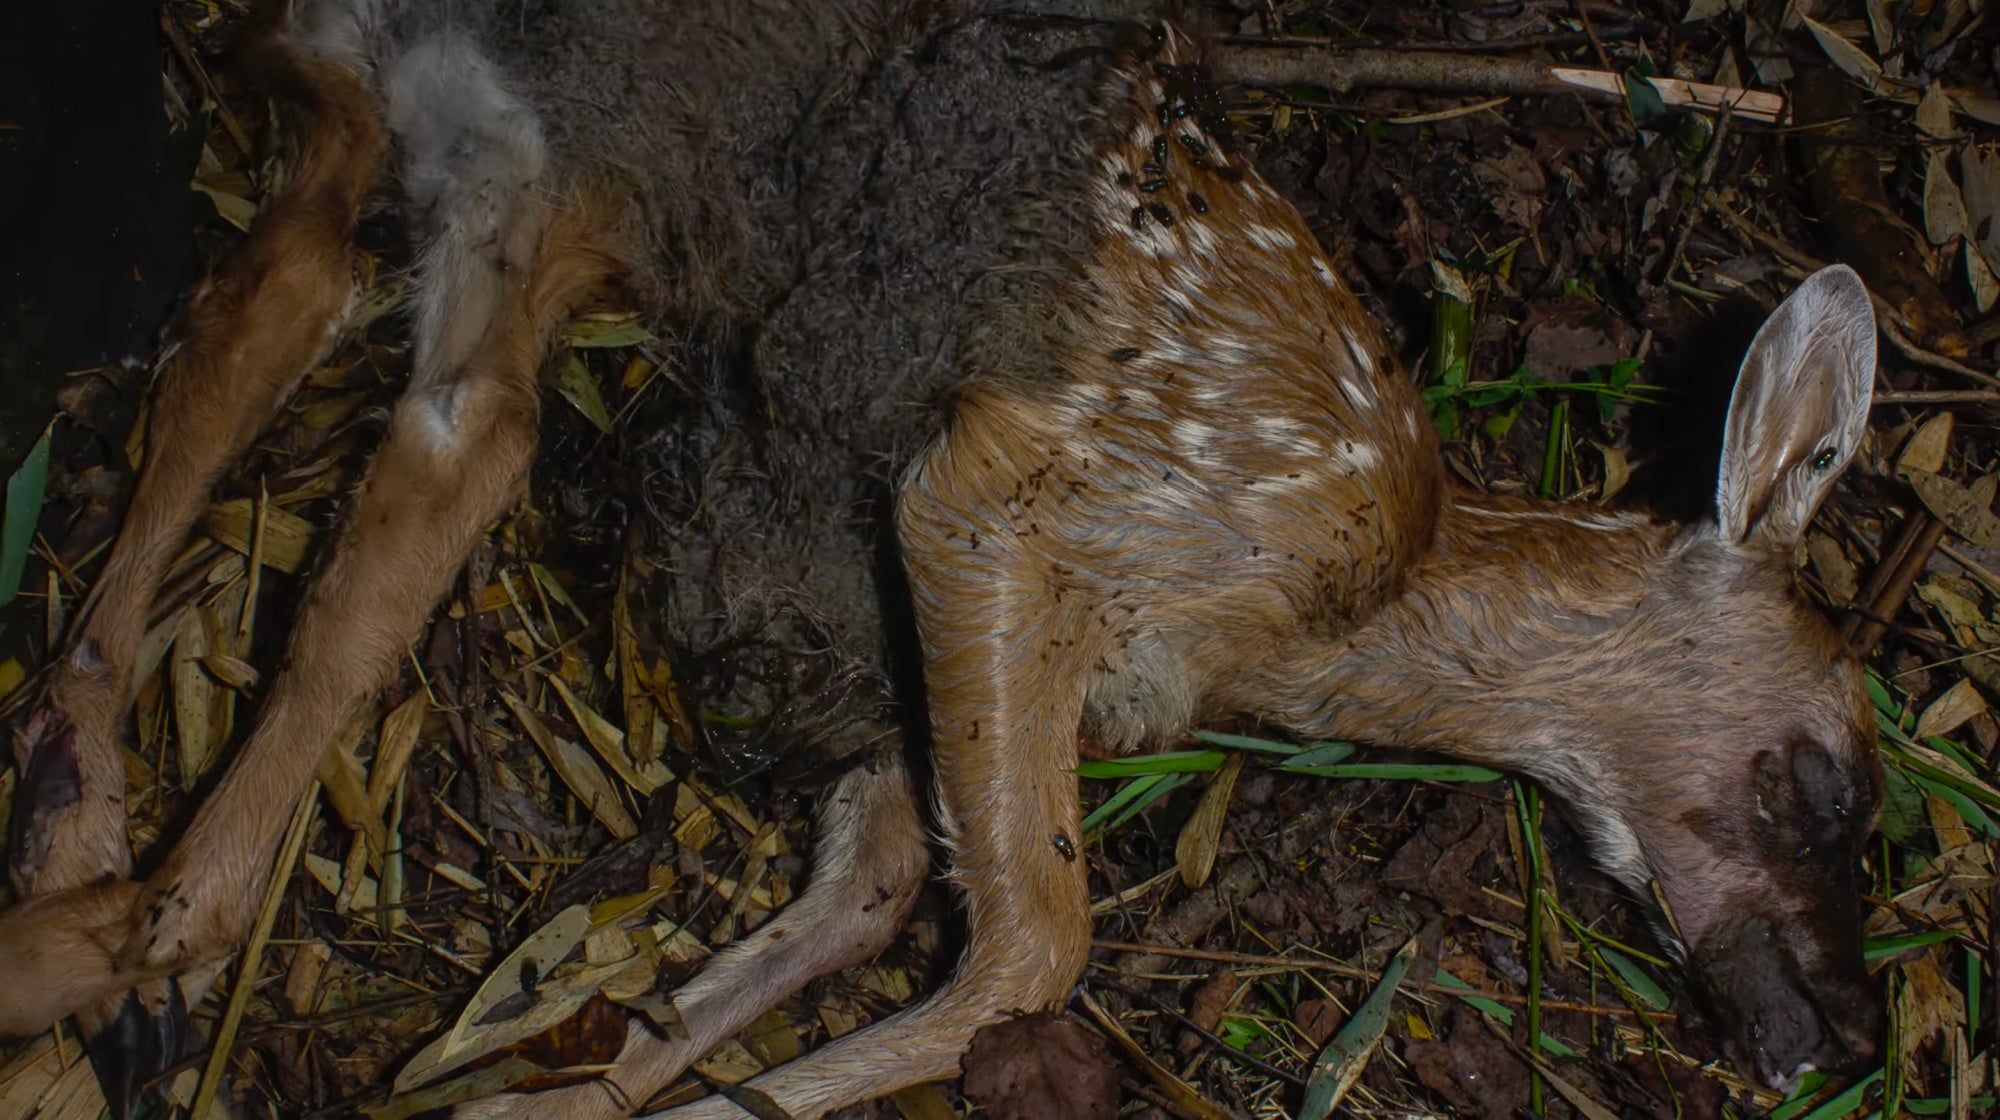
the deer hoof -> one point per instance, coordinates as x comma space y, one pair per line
138, 1045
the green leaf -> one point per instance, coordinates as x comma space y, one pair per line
1397, 771
1339, 1065
1902, 806
1641, 95
1169, 762
1635, 978
1247, 742
1319, 754
1129, 802
25, 491
1875, 948
1837, 1106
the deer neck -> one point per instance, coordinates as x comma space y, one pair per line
1488, 652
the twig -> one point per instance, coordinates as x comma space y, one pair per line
1213, 1040
1938, 396
1344, 71
253, 952
1351, 972
1889, 584
1701, 189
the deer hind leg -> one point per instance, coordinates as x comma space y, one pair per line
1005, 668
872, 859
458, 447
253, 331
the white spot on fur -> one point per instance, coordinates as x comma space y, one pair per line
1357, 456
1271, 238
1324, 273
1364, 363
1358, 393
436, 417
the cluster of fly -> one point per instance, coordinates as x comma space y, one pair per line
1187, 93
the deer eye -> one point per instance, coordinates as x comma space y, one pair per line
1823, 458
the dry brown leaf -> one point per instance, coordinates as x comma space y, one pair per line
234, 672
1979, 275
609, 742
730, 1064
302, 978
287, 536
772, 1038
1195, 850
576, 769
1961, 508
1928, 1006
1836, 572
1850, 59
1946, 714
195, 733
1945, 821
1933, 115
340, 775
329, 874
1041, 1067
1927, 447
394, 748
1617, 471
1979, 172
1944, 206
633, 680
519, 999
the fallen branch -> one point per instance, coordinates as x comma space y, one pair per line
1344, 71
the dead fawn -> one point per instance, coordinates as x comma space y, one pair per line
1182, 476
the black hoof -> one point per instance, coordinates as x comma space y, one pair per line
137, 1048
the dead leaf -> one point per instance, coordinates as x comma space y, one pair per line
1961, 508
579, 388
576, 770
1927, 446
1949, 712
609, 742
1195, 850
1041, 1067
393, 748
195, 733
518, 999
1852, 60
287, 536
1933, 115
1944, 207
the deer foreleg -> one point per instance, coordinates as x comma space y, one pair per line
252, 332
1005, 673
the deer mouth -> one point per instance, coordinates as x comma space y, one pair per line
1786, 1017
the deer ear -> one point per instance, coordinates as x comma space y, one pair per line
1800, 407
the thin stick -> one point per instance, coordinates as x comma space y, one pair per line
1255, 961
253, 951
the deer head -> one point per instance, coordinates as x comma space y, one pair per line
1707, 728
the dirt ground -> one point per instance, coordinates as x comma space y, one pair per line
1618, 253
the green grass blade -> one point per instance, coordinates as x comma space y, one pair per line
1171, 762
25, 491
